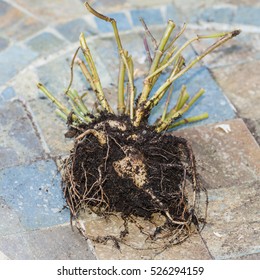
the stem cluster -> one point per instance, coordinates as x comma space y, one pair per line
166, 57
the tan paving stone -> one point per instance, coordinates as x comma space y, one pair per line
225, 159
229, 164
241, 84
54, 11
136, 245
17, 25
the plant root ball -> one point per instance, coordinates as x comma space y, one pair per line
135, 171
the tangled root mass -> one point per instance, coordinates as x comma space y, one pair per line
116, 167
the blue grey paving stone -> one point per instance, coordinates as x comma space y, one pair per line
247, 15
34, 192
121, 19
13, 60
213, 101
7, 94
174, 14
19, 142
3, 43
55, 75
4, 8
59, 242
55, 243
151, 16
215, 14
45, 43
72, 29
10, 223
16, 247
106, 50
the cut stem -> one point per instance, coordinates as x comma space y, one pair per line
86, 74
168, 120
121, 53
149, 82
121, 89
189, 120
160, 92
62, 108
96, 80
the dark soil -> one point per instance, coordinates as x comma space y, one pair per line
166, 162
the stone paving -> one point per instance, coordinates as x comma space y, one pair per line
37, 42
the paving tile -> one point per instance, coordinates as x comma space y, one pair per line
150, 15
3, 43
241, 49
52, 127
254, 127
59, 242
108, 5
3, 256
117, 5
224, 159
56, 74
229, 166
133, 43
173, 13
255, 256
213, 101
10, 223
55, 243
13, 20
19, 140
45, 43
243, 92
215, 14
236, 239
16, 247
35, 195
247, 15
14, 59
54, 11
121, 19
72, 29
7, 94
136, 245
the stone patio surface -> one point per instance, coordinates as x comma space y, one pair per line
37, 42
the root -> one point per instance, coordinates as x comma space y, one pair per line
117, 168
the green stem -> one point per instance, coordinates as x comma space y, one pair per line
76, 110
162, 126
61, 114
182, 99
86, 74
149, 82
149, 34
159, 94
79, 104
96, 80
121, 53
189, 120
62, 108
121, 89
167, 102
